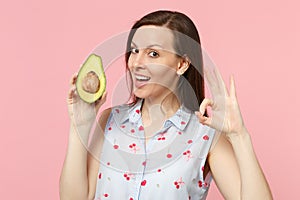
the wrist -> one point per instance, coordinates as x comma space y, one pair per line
82, 122
82, 130
241, 136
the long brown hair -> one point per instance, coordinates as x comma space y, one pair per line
187, 42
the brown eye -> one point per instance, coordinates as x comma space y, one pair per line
134, 50
153, 54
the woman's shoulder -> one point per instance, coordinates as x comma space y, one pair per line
103, 118
122, 107
117, 112
116, 109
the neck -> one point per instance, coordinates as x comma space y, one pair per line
163, 107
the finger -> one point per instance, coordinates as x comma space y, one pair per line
203, 120
72, 93
102, 98
220, 82
232, 87
74, 78
209, 78
213, 82
204, 104
100, 101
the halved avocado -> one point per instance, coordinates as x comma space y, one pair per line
90, 69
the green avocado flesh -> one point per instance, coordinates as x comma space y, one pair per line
92, 64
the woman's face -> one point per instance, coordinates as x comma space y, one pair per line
153, 62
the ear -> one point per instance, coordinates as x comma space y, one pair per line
183, 65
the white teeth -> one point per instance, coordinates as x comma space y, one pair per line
142, 78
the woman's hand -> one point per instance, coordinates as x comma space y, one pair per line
80, 112
225, 112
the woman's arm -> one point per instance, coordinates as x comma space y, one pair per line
233, 162
253, 182
79, 174
236, 170
74, 180
80, 168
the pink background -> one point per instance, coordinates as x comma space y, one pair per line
43, 43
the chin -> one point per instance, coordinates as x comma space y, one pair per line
150, 91
141, 94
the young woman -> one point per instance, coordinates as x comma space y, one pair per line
163, 145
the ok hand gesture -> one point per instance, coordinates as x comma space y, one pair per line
225, 112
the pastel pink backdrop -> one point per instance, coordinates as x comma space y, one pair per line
44, 43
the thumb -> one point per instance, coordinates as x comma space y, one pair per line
100, 101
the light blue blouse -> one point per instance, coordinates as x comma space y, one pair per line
170, 166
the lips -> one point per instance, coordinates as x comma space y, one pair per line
140, 80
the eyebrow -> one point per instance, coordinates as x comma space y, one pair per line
151, 45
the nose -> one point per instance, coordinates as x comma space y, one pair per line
137, 61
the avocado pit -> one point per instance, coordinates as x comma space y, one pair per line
91, 83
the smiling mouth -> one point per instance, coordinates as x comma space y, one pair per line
142, 78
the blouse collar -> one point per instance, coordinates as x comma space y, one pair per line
180, 119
